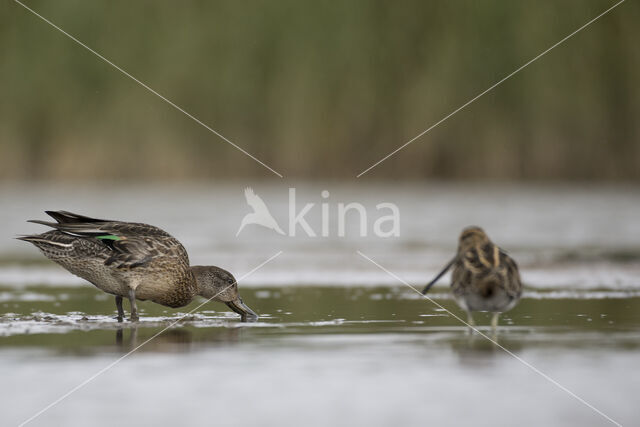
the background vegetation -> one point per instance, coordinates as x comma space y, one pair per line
320, 89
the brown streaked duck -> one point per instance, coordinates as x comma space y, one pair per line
135, 261
484, 277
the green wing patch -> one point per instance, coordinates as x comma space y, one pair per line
109, 237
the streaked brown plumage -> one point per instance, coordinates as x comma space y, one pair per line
134, 261
484, 277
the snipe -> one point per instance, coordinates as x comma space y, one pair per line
484, 277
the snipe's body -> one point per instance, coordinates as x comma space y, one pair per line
484, 277
133, 260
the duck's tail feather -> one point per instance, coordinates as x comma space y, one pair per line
27, 238
66, 217
41, 240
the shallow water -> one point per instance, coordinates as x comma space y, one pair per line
316, 348
339, 341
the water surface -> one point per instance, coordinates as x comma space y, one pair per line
339, 341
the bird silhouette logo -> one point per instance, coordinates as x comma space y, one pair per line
260, 215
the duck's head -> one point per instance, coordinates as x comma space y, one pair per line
219, 285
472, 237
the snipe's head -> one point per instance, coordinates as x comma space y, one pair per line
472, 237
219, 285
469, 238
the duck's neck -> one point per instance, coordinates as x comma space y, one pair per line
200, 275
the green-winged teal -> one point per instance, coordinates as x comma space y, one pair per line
134, 261
484, 277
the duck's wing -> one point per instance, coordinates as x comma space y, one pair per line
141, 251
130, 244
104, 228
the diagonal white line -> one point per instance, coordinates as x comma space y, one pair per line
115, 362
518, 358
490, 88
177, 107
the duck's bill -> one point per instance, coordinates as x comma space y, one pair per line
246, 314
444, 270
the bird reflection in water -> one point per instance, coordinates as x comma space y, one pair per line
178, 339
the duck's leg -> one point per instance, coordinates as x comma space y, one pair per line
134, 307
120, 309
494, 321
